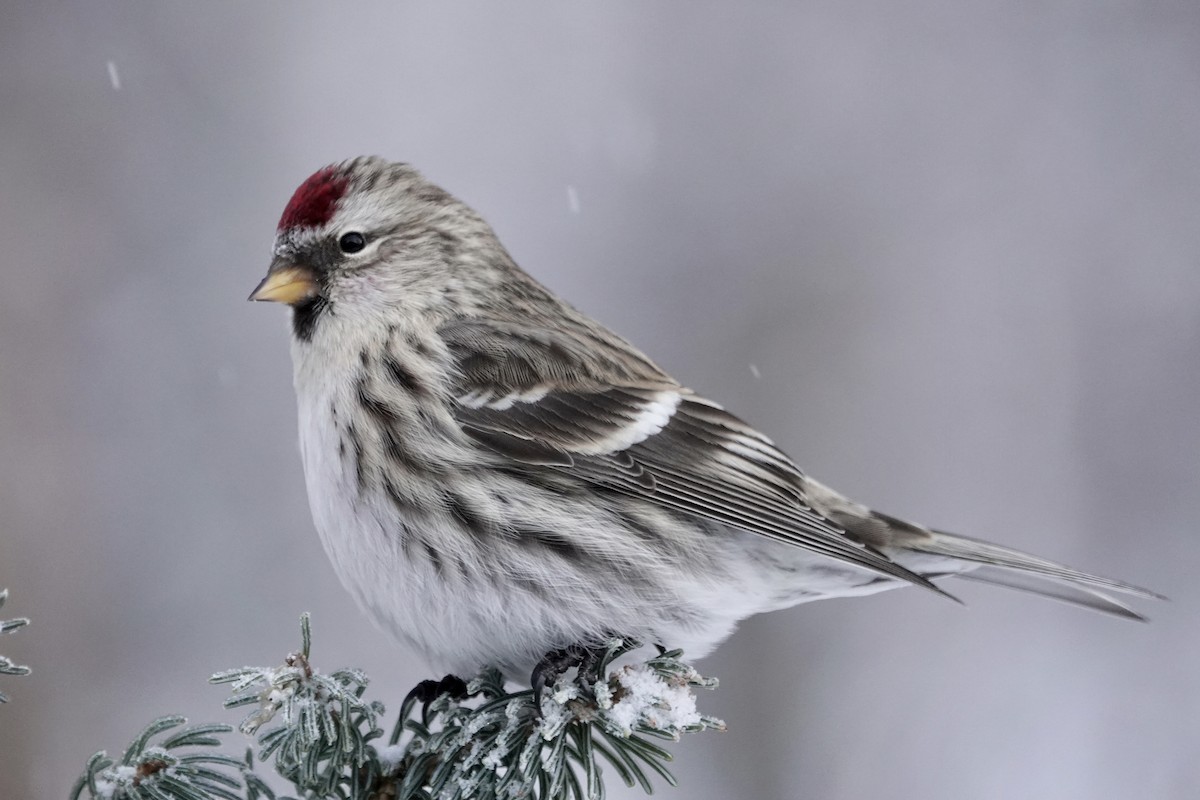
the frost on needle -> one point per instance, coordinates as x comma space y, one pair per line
472, 740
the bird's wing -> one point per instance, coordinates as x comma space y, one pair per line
585, 403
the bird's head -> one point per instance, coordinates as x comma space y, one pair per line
373, 237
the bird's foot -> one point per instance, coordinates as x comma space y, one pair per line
427, 691
586, 659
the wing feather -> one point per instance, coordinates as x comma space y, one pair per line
603, 413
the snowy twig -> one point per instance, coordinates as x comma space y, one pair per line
483, 743
167, 769
320, 743
7, 667
495, 744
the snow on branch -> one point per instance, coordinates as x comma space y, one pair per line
7, 667
450, 741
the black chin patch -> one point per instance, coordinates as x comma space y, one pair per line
306, 315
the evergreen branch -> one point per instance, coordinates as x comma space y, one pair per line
7, 667
473, 740
320, 743
490, 743
169, 770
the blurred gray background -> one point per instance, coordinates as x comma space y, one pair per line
946, 253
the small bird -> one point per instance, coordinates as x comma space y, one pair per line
497, 476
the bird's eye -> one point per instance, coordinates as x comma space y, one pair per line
352, 242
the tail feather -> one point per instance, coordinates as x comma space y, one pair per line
1067, 593
979, 551
1015, 569
962, 556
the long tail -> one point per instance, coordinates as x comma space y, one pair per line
1004, 566
935, 554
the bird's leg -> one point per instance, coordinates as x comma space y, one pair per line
585, 658
429, 690
589, 665
551, 668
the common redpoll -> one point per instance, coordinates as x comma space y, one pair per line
495, 475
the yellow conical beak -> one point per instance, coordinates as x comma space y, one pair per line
291, 284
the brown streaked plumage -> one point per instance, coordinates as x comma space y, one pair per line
495, 475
